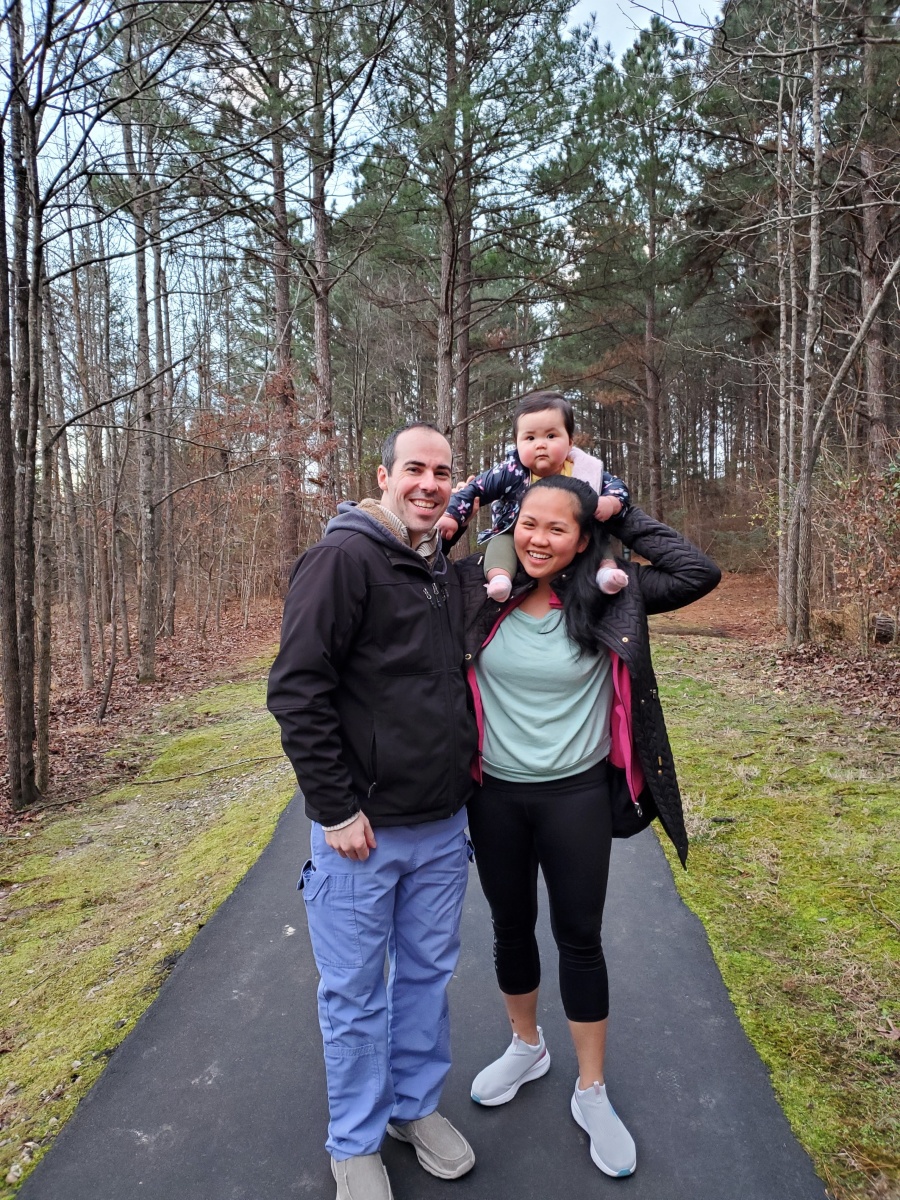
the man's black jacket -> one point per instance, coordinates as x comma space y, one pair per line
678, 574
368, 686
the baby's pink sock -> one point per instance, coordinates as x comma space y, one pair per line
499, 588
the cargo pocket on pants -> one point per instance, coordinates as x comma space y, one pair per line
355, 1081
331, 914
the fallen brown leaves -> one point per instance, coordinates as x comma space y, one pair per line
743, 608
81, 762
868, 688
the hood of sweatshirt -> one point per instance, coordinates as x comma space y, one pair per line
351, 518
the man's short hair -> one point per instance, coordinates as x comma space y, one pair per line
389, 446
540, 402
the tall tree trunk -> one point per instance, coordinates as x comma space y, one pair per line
147, 561
800, 542
652, 382
9, 644
45, 558
164, 534
878, 433
168, 507
449, 232
321, 159
463, 321
783, 353
82, 600
283, 382
21, 151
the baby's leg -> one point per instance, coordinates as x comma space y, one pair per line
610, 578
500, 564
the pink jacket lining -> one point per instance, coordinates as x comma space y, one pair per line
622, 752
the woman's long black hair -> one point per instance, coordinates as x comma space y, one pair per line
582, 600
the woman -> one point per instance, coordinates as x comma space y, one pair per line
563, 686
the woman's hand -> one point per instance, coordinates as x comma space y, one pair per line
607, 507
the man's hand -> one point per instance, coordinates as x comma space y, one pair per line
607, 507
353, 841
447, 526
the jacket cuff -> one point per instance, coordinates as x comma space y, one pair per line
329, 818
342, 824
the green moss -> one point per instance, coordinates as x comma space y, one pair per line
99, 902
795, 853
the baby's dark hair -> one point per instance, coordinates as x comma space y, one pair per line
582, 600
539, 402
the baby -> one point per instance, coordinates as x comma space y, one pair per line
543, 426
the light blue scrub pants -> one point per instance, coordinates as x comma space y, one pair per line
387, 1047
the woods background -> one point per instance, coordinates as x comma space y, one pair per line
239, 242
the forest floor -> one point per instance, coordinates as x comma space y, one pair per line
789, 765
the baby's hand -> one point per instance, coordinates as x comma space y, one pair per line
607, 507
447, 526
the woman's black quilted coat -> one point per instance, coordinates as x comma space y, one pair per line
678, 574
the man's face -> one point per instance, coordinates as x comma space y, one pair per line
418, 489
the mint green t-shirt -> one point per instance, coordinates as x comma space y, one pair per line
546, 708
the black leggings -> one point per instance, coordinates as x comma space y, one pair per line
563, 827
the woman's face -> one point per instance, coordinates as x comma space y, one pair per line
547, 534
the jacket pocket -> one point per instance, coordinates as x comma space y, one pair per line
331, 915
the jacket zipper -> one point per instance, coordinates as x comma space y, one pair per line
373, 765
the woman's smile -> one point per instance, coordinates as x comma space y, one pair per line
547, 534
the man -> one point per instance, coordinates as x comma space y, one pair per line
369, 691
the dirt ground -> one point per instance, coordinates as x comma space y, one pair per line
742, 606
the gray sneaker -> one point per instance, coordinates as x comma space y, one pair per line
362, 1177
519, 1063
440, 1149
612, 1146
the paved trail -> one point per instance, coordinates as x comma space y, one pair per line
219, 1092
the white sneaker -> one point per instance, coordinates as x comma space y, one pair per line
612, 1146
499, 1082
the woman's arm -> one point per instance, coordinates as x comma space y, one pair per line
678, 574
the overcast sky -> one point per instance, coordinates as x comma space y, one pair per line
618, 21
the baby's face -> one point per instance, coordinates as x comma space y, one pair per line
542, 442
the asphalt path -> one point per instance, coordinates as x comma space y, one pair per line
219, 1093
